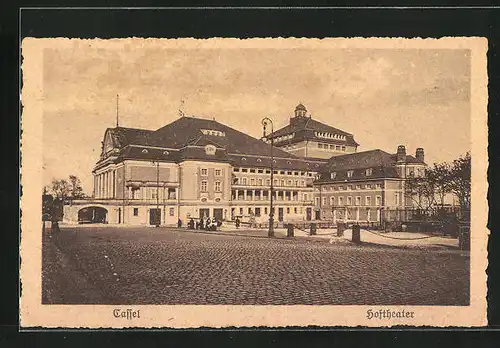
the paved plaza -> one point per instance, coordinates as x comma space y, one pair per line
141, 265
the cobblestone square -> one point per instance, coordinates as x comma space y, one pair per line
162, 266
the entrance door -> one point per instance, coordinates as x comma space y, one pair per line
155, 217
204, 213
280, 214
318, 215
218, 214
308, 214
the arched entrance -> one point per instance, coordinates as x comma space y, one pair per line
92, 215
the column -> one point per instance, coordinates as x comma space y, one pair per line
357, 214
253, 195
261, 195
334, 213
245, 195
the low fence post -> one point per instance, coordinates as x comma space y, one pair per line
356, 234
340, 229
312, 229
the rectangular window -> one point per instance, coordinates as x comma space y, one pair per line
396, 198
350, 173
268, 171
244, 181
325, 201
252, 170
343, 148
260, 182
250, 211
368, 172
378, 200
337, 147
368, 200
317, 201
171, 212
204, 171
358, 187
241, 211
288, 210
332, 200
358, 200
136, 211
320, 146
265, 210
341, 200
217, 186
218, 172
349, 200
282, 182
252, 182
244, 170
204, 186
268, 182
295, 210
236, 169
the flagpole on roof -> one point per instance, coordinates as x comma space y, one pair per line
117, 112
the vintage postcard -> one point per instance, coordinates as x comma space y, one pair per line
185, 183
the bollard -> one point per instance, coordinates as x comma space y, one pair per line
289, 232
312, 229
356, 234
340, 229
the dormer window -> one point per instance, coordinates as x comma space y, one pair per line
165, 153
243, 159
350, 173
144, 151
259, 160
333, 175
368, 172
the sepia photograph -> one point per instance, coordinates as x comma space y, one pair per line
255, 175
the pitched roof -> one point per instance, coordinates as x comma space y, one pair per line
381, 163
188, 130
357, 160
305, 127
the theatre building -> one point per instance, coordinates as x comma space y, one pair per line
196, 167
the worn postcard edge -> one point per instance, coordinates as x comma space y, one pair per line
34, 314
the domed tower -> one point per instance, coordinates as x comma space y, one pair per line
300, 110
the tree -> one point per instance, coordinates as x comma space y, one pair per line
441, 172
76, 190
460, 180
422, 189
60, 188
65, 189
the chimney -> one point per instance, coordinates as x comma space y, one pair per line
401, 154
419, 154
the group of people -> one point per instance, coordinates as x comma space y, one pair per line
206, 224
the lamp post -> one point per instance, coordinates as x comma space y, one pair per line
265, 122
158, 213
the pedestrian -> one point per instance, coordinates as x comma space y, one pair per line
207, 224
237, 222
179, 223
191, 224
201, 224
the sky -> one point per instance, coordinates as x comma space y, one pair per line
385, 97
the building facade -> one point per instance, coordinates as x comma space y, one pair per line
200, 168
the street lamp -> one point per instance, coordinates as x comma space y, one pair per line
265, 122
158, 213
